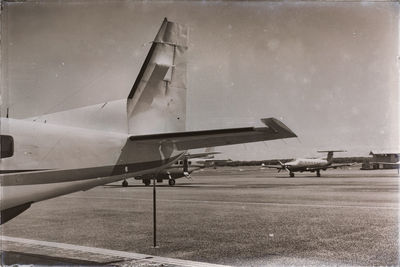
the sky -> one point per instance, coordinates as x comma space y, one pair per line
328, 70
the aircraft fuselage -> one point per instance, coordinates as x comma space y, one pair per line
306, 164
53, 160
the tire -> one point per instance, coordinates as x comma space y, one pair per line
146, 182
291, 174
318, 174
125, 183
171, 182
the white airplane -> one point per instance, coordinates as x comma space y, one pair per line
311, 165
181, 168
64, 152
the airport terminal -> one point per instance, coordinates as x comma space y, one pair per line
199, 134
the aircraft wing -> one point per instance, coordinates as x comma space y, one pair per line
340, 165
330, 166
273, 166
274, 129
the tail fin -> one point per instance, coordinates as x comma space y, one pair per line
329, 157
157, 101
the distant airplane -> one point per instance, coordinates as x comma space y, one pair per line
310, 165
65, 152
181, 168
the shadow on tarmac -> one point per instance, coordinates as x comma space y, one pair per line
208, 186
19, 258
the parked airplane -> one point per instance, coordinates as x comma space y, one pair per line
181, 168
311, 165
64, 152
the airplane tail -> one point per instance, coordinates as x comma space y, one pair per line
157, 101
329, 157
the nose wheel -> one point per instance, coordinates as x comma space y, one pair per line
171, 182
318, 173
291, 174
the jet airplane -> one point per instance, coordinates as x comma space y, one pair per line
69, 151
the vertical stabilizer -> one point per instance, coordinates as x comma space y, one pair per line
157, 101
329, 157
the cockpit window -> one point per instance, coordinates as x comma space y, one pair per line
7, 146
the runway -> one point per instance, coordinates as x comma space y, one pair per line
225, 216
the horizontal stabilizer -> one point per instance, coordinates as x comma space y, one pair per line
274, 129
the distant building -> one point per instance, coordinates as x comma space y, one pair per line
379, 159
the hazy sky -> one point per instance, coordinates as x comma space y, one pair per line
329, 70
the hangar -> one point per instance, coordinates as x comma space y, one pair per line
382, 160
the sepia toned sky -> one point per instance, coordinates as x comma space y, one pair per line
328, 70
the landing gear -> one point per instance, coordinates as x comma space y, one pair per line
318, 173
146, 182
124, 183
291, 174
171, 182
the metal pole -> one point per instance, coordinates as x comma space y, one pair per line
154, 214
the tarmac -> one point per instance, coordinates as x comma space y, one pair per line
243, 216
